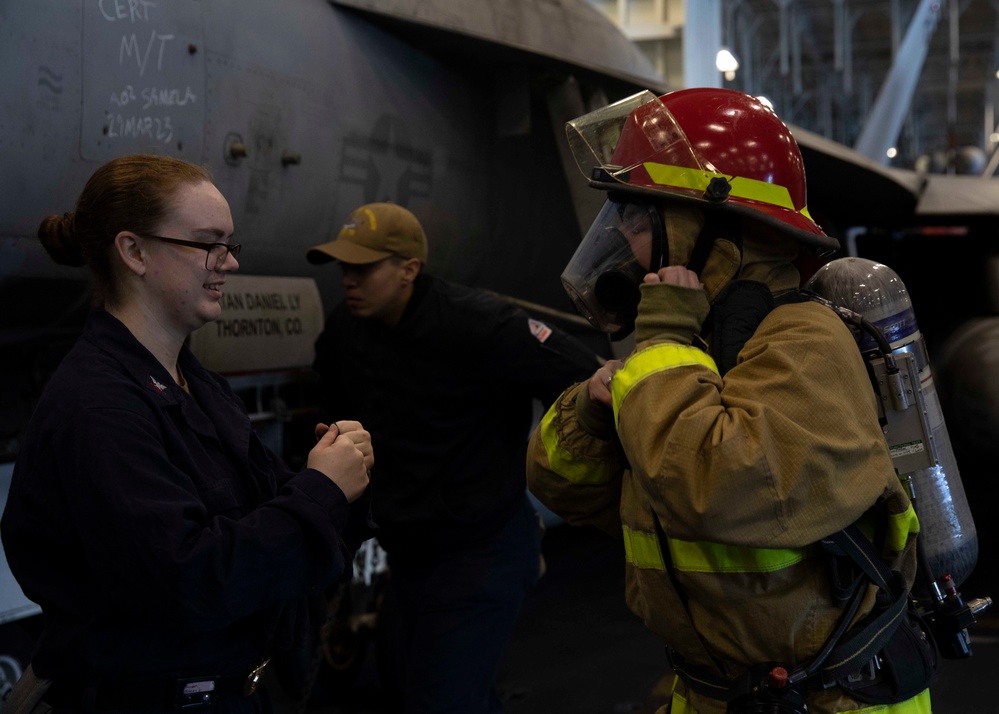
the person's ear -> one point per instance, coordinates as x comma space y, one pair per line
131, 253
410, 269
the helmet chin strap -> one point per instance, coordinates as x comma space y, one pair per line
660, 243
718, 226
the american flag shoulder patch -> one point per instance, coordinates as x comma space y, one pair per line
540, 330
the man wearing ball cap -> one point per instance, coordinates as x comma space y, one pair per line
445, 376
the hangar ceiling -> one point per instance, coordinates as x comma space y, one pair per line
823, 62
823, 72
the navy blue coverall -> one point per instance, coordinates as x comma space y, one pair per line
161, 539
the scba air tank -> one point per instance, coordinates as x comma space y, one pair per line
947, 534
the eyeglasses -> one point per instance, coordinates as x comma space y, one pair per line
216, 253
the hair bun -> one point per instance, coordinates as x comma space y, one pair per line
58, 236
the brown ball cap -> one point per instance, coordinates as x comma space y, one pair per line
374, 232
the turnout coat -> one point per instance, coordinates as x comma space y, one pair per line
721, 486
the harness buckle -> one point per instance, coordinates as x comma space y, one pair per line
253, 678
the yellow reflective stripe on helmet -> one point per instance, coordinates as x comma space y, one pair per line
704, 557
642, 550
562, 463
657, 358
900, 525
742, 187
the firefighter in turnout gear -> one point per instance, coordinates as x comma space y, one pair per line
741, 436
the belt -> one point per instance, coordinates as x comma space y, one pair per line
95, 695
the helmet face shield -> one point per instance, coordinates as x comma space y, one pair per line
623, 244
650, 132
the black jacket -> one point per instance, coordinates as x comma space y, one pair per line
447, 397
158, 534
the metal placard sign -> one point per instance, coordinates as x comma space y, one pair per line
143, 78
268, 323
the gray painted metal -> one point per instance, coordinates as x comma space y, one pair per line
965, 196
332, 111
570, 31
936, 195
907, 181
143, 86
876, 195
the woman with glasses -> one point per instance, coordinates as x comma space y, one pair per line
171, 553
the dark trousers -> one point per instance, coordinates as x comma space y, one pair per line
456, 612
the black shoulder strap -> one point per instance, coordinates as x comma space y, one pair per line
735, 314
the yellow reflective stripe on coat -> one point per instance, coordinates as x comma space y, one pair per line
900, 525
657, 358
642, 550
562, 463
741, 187
919, 704
704, 557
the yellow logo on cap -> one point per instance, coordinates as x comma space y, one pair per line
351, 226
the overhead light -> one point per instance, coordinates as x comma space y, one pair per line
892, 152
726, 62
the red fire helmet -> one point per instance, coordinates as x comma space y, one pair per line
717, 147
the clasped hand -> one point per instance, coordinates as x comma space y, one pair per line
344, 455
